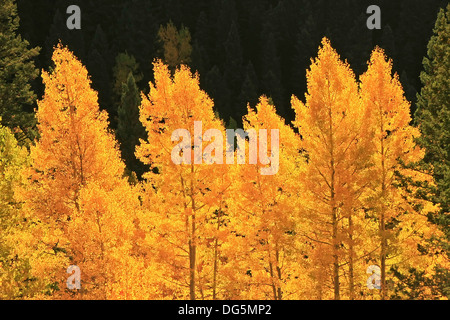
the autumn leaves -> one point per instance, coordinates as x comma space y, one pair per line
75, 193
357, 142
224, 231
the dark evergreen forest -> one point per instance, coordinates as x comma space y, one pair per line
241, 49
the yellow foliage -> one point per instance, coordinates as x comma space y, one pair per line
343, 194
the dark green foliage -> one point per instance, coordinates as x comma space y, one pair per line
17, 70
217, 87
433, 119
233, 71
271, 74
129, 128
136, 31
125, 64
249, 90
412, 284
98, 63
229, 34
433, 113
58, 32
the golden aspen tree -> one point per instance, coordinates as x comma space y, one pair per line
402, 218
331, 124
182, 189
16, 279
73, 181
20, 243
266, 207
218, 235
102, 237
75, 146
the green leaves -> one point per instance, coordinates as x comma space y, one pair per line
129, 128
433, 120
433, 113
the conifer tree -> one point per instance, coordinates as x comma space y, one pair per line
433, 120
98, 62
433, 113
17, 70
129, 128
125, 63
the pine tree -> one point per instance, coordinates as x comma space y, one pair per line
17, 70
217, 88
98, 62
433, 113
137, 31
433, 120
271, 77
125, 63
201, 48
250, 87
232, 67
58, 32
129, 128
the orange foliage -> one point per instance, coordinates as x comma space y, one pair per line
341, 197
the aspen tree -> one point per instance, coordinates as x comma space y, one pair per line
331, 125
